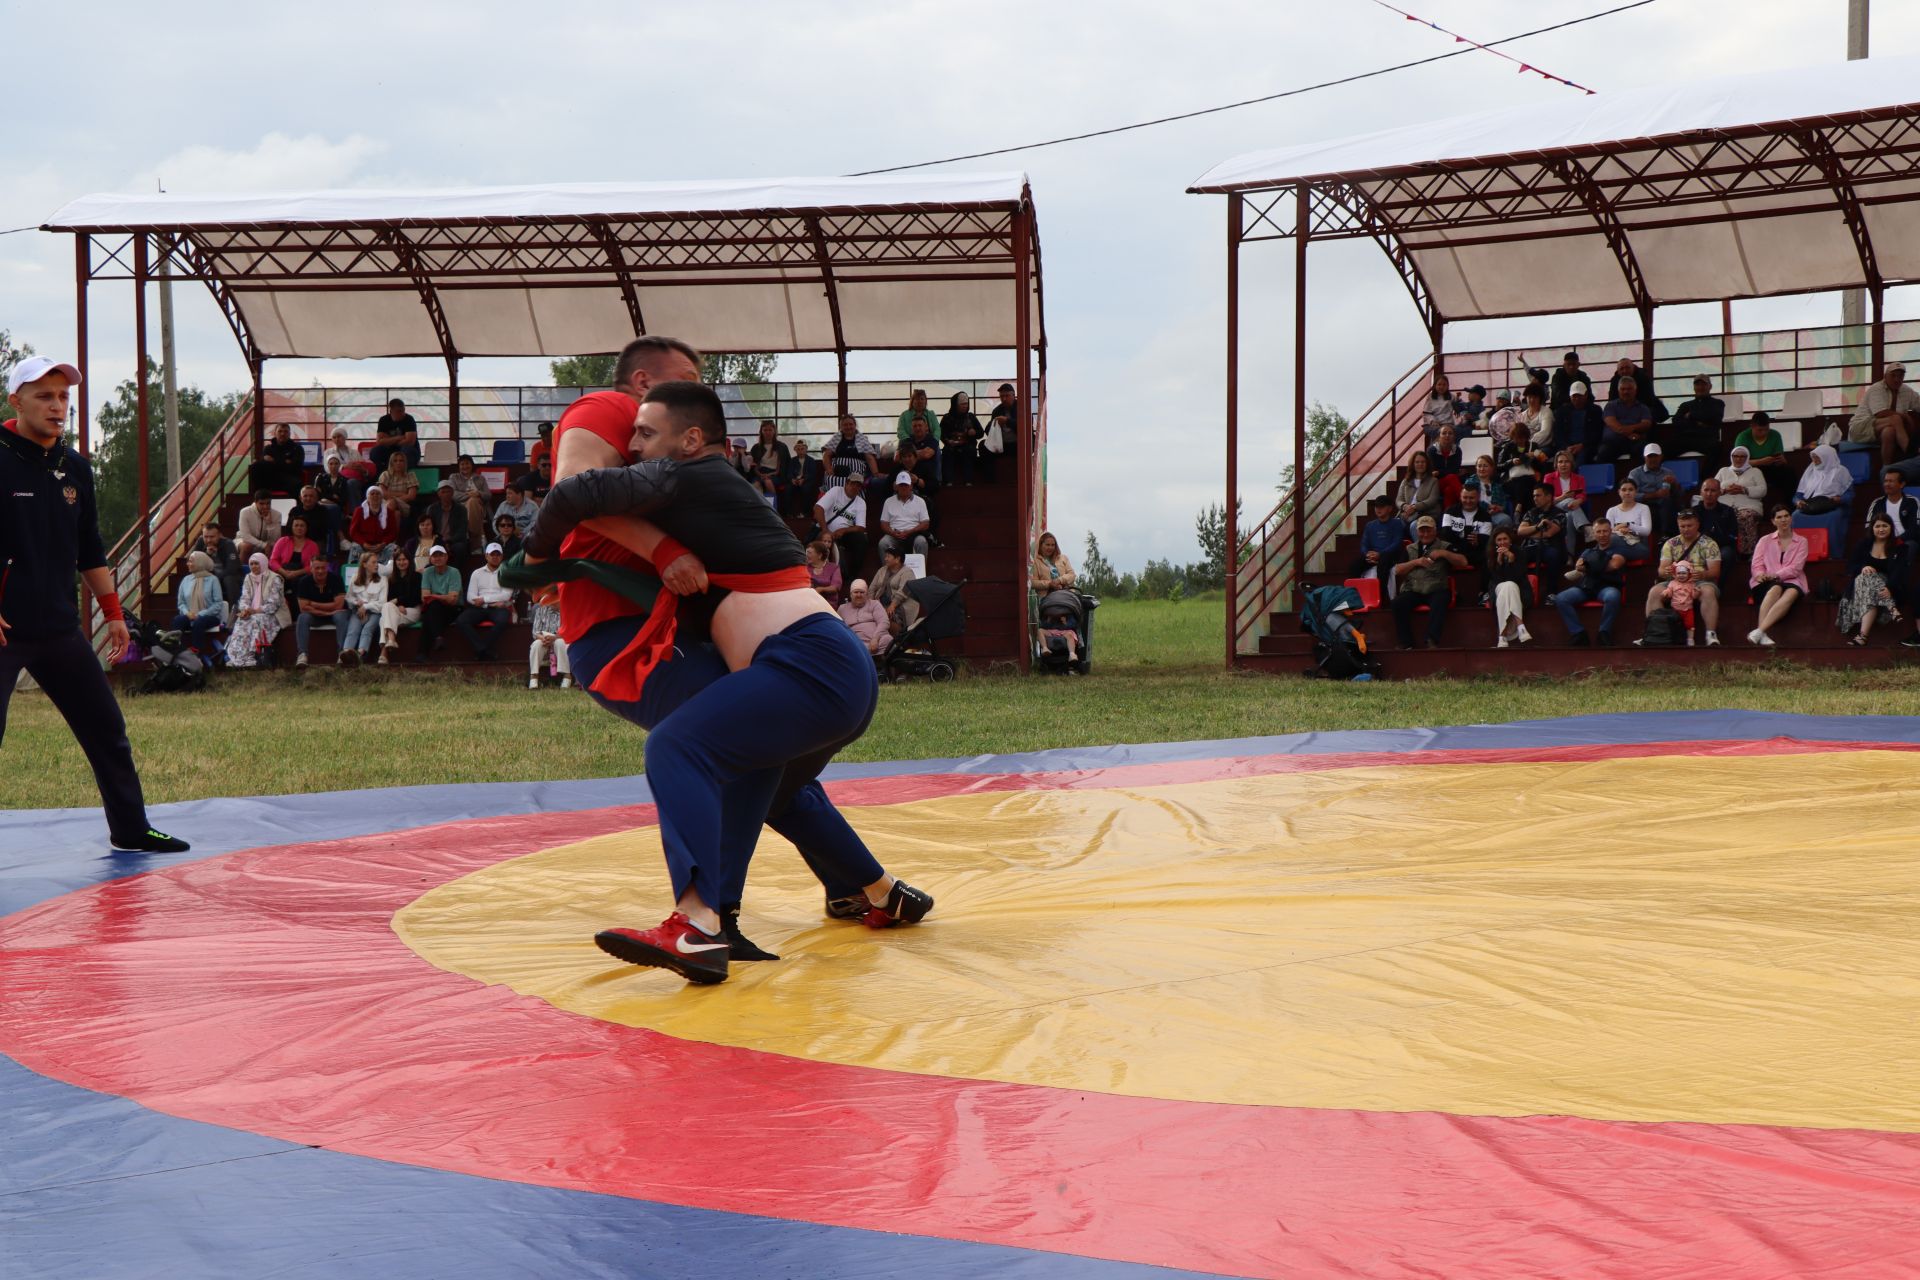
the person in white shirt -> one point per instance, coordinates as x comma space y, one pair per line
366, 600
905, 518
487, 602
842, 514
1632, 524
1889, 415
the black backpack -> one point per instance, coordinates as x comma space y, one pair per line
1664, 629
176, 667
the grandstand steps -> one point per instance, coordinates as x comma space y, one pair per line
1551, 661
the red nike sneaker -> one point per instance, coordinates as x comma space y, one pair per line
677, 944
904, 905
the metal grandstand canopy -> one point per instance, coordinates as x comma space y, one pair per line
1713, 189
923, 262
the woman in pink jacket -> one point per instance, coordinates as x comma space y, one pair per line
865, 616
1779, 576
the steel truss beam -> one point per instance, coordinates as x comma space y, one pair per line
408, 257
618, 262
1819, 149
1613, 229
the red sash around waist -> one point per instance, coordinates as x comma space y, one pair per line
620, 680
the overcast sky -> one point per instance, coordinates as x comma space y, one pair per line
425, 93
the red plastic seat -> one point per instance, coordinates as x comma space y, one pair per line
1817, 548
1369, 589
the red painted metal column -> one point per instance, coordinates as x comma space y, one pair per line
1026, 419
142, 424
82, 273
1236, 205
1302, 232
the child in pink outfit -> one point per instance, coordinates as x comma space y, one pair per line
1682, 593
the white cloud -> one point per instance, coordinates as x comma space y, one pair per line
278, 162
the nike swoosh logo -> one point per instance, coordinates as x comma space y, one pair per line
680, 945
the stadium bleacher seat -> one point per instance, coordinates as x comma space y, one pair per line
429, 478
1817, 547
509, 451
438, 453
1474, 448
1601, 478
1860, 462
1686, 471
1790, 435
310, 452
497, 478
1369, 589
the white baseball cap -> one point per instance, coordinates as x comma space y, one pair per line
1651, 451
436, 550
493, 547
35, 368
1579, 389
905, 477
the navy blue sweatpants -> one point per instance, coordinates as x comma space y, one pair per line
790, 797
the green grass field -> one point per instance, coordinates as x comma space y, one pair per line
1157, 678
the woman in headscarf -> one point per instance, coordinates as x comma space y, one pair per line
1743, 487
199, 605
375, 525
256, 615
960, 433
865, 616
1825, 492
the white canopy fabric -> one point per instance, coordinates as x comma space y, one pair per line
799, 264
1736, 187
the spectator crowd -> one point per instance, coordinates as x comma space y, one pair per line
367, 551
1542, 514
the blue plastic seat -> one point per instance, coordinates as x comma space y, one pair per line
1861, 463
1687, 472
310, 453
1601, 477
509, 451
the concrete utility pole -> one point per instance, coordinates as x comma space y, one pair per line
1853, 303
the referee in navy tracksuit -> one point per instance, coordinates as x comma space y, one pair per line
48, 530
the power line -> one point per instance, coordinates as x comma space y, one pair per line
1250, 102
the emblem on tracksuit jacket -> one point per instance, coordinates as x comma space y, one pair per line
71, 494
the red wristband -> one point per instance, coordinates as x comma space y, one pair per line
110, 606
665, 553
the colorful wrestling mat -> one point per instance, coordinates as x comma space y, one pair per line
1626, 996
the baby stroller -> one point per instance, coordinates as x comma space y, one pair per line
177, 668
1063, 610
1339, 647
916, 650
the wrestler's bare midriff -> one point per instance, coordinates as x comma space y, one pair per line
745, 618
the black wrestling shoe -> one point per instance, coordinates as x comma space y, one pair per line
151, 841
739, 946
676, 943
904, 905
851, 908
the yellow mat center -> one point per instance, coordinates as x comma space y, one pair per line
1677, 938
